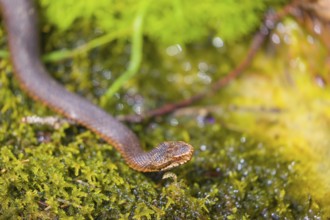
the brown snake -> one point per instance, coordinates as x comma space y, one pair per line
20, 19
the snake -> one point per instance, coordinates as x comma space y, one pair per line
20, 19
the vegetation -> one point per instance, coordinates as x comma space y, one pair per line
167, 22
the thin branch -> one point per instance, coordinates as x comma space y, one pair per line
97, 42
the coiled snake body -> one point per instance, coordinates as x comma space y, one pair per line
20, 19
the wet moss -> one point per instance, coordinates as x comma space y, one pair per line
231, 176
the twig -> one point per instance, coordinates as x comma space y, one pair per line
66, 54
259, 38
52, 121
63, 54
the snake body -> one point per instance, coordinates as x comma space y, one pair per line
20, 20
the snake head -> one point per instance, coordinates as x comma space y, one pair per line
169, 154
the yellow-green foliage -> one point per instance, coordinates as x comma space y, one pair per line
167, 21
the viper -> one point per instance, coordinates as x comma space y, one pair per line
21, 24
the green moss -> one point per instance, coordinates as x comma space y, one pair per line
166, 22
87, 179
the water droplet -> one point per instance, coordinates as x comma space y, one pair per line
239, 167
203, 147
202, 66
287, 39
310, 39
137, 109
280, 27
174, 122
174, 50
119, 106
276, 39
204, 77
320, 81
269, 182
186, 66
217, 42
317, 28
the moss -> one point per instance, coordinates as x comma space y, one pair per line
230, 176
87, 179
166, 22
283, 101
